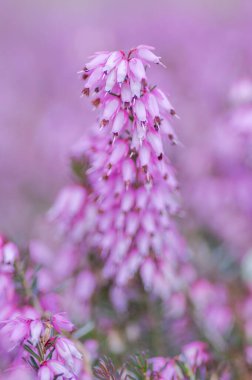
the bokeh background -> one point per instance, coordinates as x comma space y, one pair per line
206, 46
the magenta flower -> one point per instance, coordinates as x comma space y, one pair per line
223, 176
15, 331
127, 206
67, 351
8, 255
214, 312
60, 322
36, 328
53, 368
165, 369
196, 354
44, 373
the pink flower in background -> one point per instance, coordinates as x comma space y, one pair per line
15, 331
165, 369
224, 174
37, 338
53, 368
66, 351
196, 354
31, 335
8, 255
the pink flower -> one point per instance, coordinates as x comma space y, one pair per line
85, 285
67, 351
44, 373
196, 354
165, 369
219, 314
145, 53
69, 212
15, 331
60, 322
54, 368
126, 210
8, 255
36, 328
248, 354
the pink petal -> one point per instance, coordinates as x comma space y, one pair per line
119, 122
111, 81
36, 329
126, 94
110, 109
137, 68
96, 61
140, 110
44, 373
122, 71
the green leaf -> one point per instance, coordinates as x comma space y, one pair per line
49, 356
27, 348
33, 363
186, 370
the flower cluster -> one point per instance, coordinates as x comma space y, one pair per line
224, 176
33, 340
131, 191
192, 360
44, 348
73, 277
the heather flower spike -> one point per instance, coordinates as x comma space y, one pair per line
132, 191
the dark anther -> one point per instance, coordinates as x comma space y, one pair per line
160, 157
145, 168
172, 112
96, 102
104, 122
85, 91
144, 82
85, 76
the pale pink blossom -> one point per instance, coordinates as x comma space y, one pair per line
61, 322
44, 373
56, 368
15, 331
196, 354
67, 351
36, 328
